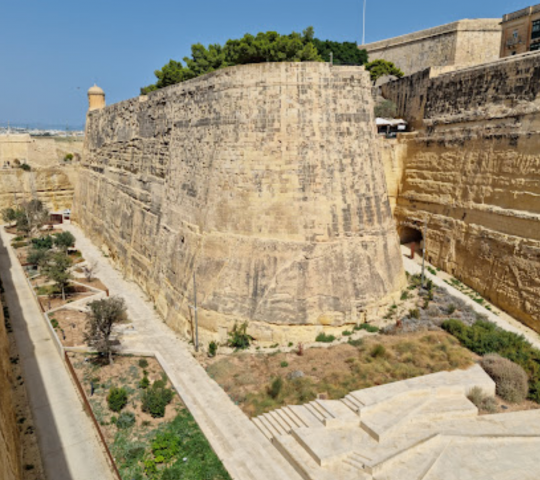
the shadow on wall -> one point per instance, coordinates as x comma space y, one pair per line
52, 450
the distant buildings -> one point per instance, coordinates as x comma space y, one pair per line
521, 31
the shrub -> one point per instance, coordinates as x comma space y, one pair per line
367, 327
359, 342
239, 338
346, 333
323, 338
404, 295
143, 363
300, 349
144, 383
484, 337
125, 420
26, 167
284, 364
510, 378
275, 387
450, 309
117, 399
42, 243
212, 349
482, 401
414, 313
378, 351
156, 398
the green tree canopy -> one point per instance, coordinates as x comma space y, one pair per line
343, 53
57, 270
379, 68
263, 47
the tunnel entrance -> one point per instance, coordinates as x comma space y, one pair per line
410, 235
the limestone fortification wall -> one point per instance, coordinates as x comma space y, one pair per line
466, 42
262, 179
54, 186
473, 170
10, 448
38, 152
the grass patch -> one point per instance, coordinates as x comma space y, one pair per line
324, 338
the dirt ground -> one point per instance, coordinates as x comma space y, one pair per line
95, 283
49, 303
126, 373
335, 371
71, 324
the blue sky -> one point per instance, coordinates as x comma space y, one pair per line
52, 51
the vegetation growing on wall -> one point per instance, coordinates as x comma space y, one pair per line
260, 48
379, 68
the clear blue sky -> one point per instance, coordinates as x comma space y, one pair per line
52, 51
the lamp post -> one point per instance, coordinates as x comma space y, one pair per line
364, 25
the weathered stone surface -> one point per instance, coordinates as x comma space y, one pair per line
466, 42
52, 185
264, 180
473, 171
10, 448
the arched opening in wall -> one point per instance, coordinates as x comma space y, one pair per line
410, 235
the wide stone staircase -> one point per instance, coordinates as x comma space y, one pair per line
406, 430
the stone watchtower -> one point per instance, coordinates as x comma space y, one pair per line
96, 98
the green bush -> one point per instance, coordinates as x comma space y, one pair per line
485, 337
156, 398
346, 333
117, 399
125, 420
414, 313
212, 349
144, 383
510, 379
25, 167
143, 363
42, 243
367, 327
275, 387
323, 338
378, 351
239, 338
19, 244
284, 364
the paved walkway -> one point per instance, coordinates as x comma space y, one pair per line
503, 320
67, 440
242, 448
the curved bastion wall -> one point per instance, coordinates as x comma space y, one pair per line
265, 181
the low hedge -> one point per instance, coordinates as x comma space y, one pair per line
485, 337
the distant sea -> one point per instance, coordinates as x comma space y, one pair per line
43, 126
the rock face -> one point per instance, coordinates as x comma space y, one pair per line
54, 186
10, 448
473, 172
264, 181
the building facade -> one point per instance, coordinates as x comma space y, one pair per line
521, 31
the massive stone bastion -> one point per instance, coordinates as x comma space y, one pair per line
472, 171
262, 180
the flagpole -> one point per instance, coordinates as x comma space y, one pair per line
364, 25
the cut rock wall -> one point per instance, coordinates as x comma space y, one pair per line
10, 448
54, 186
265, 181
473, 171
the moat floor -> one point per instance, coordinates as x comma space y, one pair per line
67, 440
244, 450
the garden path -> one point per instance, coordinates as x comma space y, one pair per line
242, 448
68, 443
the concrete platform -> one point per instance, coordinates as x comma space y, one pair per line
419, 429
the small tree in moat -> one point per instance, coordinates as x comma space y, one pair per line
101, 318
57, 268
64, 241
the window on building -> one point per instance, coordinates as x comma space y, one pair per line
515, 34
535, 30
535, 47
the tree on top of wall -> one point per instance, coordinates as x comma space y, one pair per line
260, 48
379, 68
